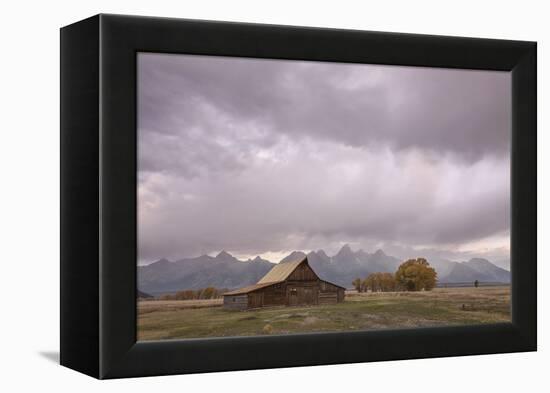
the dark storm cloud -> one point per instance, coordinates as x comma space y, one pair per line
257, 155
464, 112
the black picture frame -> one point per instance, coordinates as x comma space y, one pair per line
98, 195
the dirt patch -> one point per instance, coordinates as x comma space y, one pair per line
310, 321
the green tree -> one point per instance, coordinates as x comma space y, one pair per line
416, 275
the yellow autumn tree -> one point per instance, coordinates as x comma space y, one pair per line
416, 275
380, 282
387, 282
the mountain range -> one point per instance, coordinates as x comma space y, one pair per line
226, 271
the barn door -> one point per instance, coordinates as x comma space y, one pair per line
255, 300
292, 296
308, 296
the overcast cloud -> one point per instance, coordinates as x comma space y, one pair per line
262, 157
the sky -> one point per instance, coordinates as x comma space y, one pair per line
263, 157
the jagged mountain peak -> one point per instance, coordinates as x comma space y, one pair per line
294, 255
224, 254
319, 256
485, 268
322, 253
259, 259
379, 253
344, 251
481, 261
225, 257
162, 261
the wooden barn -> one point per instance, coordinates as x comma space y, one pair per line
291, 283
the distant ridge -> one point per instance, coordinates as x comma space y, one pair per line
226, 271
222, 271
143, 295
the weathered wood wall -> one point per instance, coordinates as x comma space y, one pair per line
237, 302
330, 293
256, 299
302, 292
341, 294
303, 273
275, 295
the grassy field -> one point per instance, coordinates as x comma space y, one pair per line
366, 311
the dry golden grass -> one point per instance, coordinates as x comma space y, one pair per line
179, 319
149, 306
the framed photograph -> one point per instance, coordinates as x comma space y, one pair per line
296, 196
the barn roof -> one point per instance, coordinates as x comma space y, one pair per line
281, 271
277, 274
331, 283
249, 288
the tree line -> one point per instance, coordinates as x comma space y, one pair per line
411, 275
190, 294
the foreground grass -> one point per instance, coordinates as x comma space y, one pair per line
440, 307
